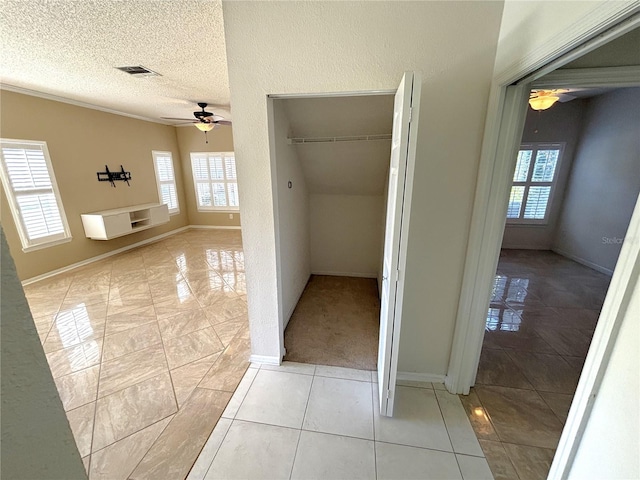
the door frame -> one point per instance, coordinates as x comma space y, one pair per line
503, 129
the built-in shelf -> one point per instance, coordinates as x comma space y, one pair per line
118, 222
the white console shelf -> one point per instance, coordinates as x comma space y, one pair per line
115, 223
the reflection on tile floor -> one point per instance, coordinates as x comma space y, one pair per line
146, 349
301, 421
539, 326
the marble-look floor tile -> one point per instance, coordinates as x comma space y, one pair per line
416, 420
547, 373
134, 408
531, 463
461, 434
117, 461
183, 323
412, 383
559, 403
270, 452
81, 423
202, 464
520, 416
478, 417
238, 396
122, 372
497, 368
498, 460
175, 451
175, 305
400, 462
228, 370
73, 359
474, 468
192, 346
118, 307
186, 378
276, 398
130, 319
75, 326
577, 363
86, 461
130, 341
224, 308
340, 407
566, 341
321, 456
78, 388
227, 330
522, 340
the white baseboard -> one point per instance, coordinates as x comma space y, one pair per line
584, 262
420, 377
97, 258
346, 274
266, 359
215, 227
526, 247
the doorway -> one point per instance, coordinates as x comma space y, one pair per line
332, 166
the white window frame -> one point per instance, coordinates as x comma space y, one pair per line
205, 208
28, 244
535, 147
155, 154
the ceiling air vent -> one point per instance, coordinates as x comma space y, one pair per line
138, 71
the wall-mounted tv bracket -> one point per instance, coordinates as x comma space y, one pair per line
113, 177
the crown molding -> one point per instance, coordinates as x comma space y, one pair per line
77, 103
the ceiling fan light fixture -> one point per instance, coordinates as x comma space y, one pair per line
543, 102
204, 127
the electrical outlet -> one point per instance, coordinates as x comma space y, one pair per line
231, 216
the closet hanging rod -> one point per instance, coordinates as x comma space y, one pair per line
351, 138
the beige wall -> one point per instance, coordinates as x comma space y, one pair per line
307, 47
191, 139
81, 142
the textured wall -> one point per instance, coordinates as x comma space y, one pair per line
306, 47
37, 442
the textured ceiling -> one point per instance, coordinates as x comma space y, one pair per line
70, 48
348, 168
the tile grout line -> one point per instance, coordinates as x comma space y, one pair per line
306, 406
453, 450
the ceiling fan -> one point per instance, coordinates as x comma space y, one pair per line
204, 121
543, 99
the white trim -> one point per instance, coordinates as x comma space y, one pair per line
97, 258
77, 103
582, 261
623, 282
265, 359
420, 377
215, 227
590, 77
345, 274
42, 246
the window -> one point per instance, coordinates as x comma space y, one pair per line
215, 181
533, 182
167, 192
33, 195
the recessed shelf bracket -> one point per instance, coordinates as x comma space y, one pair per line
113, 177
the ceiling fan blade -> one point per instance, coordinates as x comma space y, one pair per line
565, 97
224, 122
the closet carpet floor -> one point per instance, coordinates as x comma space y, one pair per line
336, 323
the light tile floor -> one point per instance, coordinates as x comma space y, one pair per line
538, 330
146, 349
302, 421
